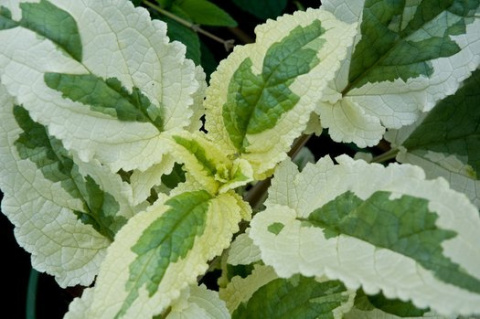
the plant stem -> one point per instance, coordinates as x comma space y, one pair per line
298, 145
256, 195
388, 155
228, 44
32, 295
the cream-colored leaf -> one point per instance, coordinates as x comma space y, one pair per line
197, 302
292, 247
240, 289
265, 149
119, 42
243, 251
43, 213
361, 114
112, 298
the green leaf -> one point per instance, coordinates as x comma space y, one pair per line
176, 177
396, 307
165, 3
263, 9
204, 12
106, 96
241, 288
297, 297
452, 126
157, 247
208, 165
200, 154
398, 44
49, 155
256, 102
445, 141
49, 21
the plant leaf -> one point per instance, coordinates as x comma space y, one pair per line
208, 165
408, 55
49, 21
239, 290
272, 85
446, 141
41, 197
378, 314
129, 60
311, 299
161, 251
185, 35
204, 12
395, 306
243, 251
198, 302
263, 295
338, 221
107, 96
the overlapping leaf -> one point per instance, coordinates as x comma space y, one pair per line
407, 56
108, 86
263, 295
446, 142
197, 302
62, 217
261, 96
161, 251
382, 228
208, 165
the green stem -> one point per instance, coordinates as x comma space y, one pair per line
32, 294
228, 44
388, 155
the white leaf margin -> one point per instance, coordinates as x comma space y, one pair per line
436, 164
269, 147
198, 302
243, 251
305, 250
109, 292
42, 213
239, 290
107, 29
364, 113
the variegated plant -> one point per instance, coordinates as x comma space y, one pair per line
112, 185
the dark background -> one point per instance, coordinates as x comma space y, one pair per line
52, 301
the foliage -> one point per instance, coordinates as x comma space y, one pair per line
129, 170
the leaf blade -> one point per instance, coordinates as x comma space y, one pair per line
153, 290
355, 262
